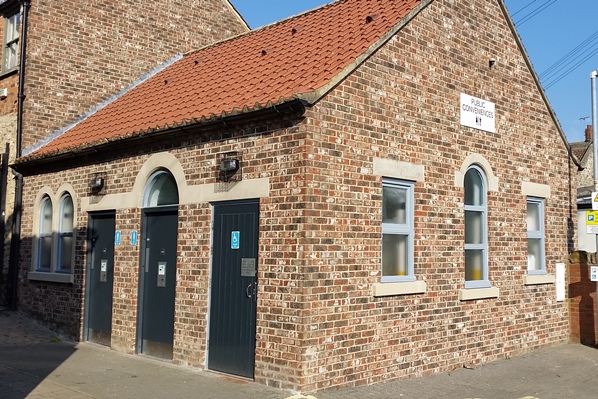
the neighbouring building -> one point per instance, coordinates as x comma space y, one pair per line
61, 59
367, 191
584, 151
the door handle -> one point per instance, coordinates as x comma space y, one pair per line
147, 254
251, 291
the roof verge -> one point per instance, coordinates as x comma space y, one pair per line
103, 104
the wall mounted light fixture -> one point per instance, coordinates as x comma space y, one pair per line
96, 184
229, 165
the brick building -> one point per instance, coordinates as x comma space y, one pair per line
584, 151
72, 56
372, 190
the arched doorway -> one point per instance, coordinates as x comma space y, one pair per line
157, 272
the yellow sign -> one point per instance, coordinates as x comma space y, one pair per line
591, 218
592, 222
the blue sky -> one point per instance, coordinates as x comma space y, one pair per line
549, 29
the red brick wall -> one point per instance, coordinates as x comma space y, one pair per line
8, 105
80, 53
403, 104
582, 303
318, 324
83, 52
126, 277
46, 301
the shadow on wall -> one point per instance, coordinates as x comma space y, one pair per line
57, 305
582, 299
4, 226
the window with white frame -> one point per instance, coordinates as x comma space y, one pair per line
10, 49
397, 231
476, 231
535, 236
54, 245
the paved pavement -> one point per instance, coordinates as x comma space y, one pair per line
35, 363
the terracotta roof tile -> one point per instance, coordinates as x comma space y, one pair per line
276, 63
580, 149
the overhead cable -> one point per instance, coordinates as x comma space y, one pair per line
535, 12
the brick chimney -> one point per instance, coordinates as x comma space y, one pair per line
588, 133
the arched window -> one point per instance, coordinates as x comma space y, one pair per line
161, 190
65, 234
476, 229
54, 244
44, 240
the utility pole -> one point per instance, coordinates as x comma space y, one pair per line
594, 146
595, 160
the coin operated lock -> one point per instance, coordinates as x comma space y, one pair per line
162, 274
104, 271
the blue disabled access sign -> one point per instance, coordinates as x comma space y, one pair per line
235, 237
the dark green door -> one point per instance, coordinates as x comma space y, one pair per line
100, 278
231, 346
158, 283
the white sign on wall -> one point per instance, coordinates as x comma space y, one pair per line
560, 282
477, 113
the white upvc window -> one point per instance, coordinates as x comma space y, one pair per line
54, 244
65, 242
476, 229
536, 262
10, 49
44, 238
397, 231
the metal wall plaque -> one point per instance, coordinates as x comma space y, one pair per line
248, 267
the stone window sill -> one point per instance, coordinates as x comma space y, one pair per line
478, 293
402, 288
536, 279
51, 277
9, 72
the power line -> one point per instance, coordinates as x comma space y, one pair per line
550, 71
535, 12
571, 65
570, 61
568, 71
518, 11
